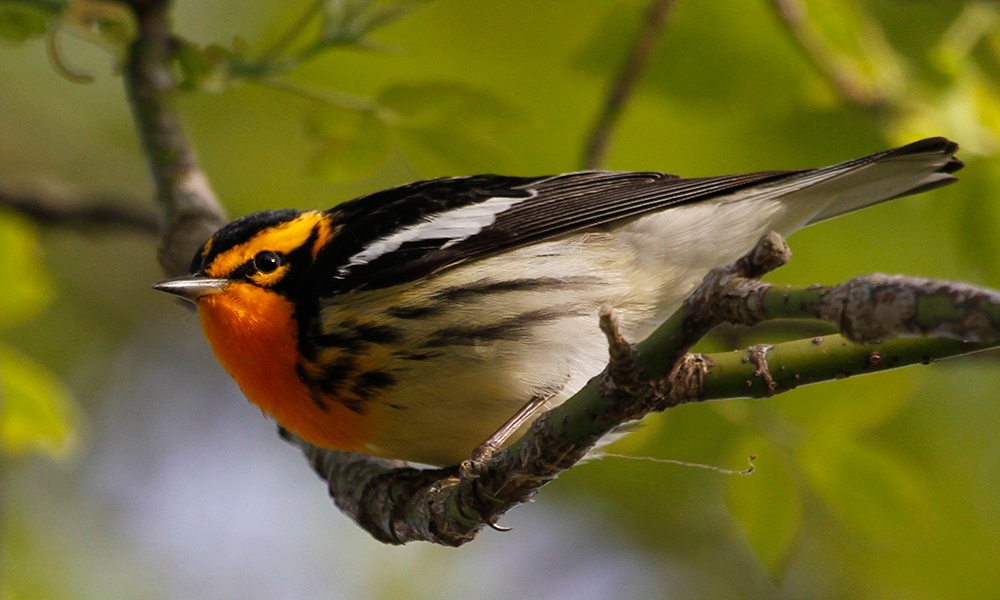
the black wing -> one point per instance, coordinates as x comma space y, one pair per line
405, 233
451, 221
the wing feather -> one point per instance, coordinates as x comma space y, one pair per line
404, 233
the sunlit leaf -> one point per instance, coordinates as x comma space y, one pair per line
967, 109
36, 411
767, 504
351, 144
27, 289
867, 490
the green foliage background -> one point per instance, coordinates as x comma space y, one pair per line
879, 487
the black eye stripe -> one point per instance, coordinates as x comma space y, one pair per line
264, 262
244, 271
242, 230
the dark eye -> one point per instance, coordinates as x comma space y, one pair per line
266, 261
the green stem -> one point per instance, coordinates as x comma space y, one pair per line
789, 365
329, 97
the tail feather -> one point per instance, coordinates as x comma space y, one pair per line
911, 169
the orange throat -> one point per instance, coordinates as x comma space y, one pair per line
254, 336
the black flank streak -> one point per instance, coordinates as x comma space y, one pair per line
370, 383
346, 340
359, 406
332, 383
378, 334
513, 329
377, 379
316, 398
319, 401
417, 355
488, 287
336, 373
415, 312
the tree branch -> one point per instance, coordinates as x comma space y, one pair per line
192, 211
398, 504
765, 370
628, 77
49, 206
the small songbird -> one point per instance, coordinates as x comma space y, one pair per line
414, 322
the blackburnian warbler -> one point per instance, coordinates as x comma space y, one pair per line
414, 322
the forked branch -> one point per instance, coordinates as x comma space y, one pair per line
398, 504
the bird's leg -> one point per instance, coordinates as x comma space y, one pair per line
483, 452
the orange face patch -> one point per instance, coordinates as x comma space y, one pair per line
283, 238
254, 336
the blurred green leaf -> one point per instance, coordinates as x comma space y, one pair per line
21, 22
709, 66
856, 42
113, 24
35, 409
978, 223
28, 288
867, 490
448, 128
987, 55
350, 22
203, 69
351, 143
767, 504
450, 104
849, 407
439, 152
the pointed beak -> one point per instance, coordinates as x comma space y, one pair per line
191, 287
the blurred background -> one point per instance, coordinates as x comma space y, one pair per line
131, 466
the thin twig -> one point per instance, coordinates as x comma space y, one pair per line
846, 81
94, 212
629, 75
291, 34
330, 97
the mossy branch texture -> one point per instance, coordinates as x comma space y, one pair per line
398, 504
